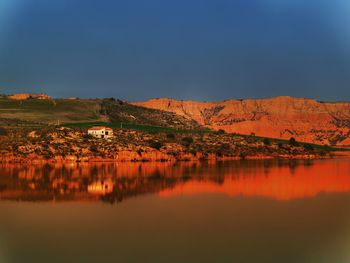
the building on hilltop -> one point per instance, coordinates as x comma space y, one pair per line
101, 132
26, 96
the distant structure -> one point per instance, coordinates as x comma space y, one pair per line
101, 132
25, 96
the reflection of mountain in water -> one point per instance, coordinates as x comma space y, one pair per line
280, 180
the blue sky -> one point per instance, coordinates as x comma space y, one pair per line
185, 49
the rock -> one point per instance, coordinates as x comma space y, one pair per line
281, 117
32, 134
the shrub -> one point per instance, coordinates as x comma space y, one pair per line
323, 153
87, 136
267, 141
293, 142
221, 131
139, 152
187, 141
3, 131
110, 99
223, 149
251, 139
308, 147
170, 136
155, 144
173, 153
242, 155
193, 152
94, 148
47, 155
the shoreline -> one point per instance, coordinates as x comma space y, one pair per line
75, 145
165, 158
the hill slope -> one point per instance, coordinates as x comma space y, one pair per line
50, 111
54, 111
281, 117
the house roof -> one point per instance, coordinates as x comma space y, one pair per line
99, 128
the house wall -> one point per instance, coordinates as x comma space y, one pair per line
101, 133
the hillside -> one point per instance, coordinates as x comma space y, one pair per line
50, 111
306, 120
60, 111
73, 144
141, 134
281, 117
120, 111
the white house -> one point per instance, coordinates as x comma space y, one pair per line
101, 132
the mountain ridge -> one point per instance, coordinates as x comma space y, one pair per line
283, 117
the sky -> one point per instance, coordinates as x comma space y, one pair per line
184, 49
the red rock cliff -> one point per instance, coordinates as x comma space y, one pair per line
281, 117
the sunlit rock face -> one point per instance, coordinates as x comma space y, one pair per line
281, 117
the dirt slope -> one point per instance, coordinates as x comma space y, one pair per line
280, 117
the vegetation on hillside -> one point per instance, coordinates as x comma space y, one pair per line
51, 111
33, 112
118, 111
62, 142
58, 128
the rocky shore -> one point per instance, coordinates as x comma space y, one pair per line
74, 145
152, 156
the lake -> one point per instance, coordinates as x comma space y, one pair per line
240, 211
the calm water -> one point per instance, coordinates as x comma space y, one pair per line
249, 211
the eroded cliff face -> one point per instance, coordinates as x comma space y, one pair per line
282, 117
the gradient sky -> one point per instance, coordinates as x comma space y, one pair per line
185, 49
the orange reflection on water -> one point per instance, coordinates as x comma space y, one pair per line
113, 182
282, 183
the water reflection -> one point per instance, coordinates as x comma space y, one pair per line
111, 182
